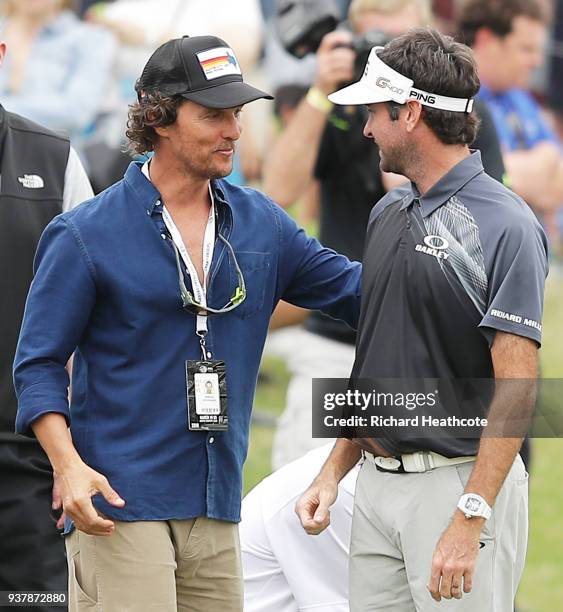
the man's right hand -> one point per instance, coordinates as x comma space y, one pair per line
335, 61
313, 507
78, 484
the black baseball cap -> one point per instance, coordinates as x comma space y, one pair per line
203, 69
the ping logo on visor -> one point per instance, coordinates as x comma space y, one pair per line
423, 97
218, 62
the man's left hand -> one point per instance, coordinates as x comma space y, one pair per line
454, 558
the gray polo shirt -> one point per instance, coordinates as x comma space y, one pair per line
442, 272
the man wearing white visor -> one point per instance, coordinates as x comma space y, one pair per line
453, 279
380, 83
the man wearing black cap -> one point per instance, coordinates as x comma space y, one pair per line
163, 287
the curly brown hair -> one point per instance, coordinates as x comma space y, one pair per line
152, 110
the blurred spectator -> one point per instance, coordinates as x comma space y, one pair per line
555, 90
286, 101
306, 212
58, 69
82, 6
327, 144
282, 67
268, 8
508, 38
149, 23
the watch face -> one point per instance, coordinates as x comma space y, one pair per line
472, 504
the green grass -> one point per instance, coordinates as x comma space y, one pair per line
541, 589
270, 399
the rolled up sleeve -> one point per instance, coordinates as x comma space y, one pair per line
57, 310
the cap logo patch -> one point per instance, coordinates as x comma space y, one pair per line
218, 62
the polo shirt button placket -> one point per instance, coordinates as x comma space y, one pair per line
408, 212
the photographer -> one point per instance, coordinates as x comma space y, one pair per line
318, 130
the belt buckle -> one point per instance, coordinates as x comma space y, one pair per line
389, 464
423, 461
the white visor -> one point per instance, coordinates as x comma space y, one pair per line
380, 83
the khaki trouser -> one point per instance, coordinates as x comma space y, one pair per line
157, 566
398, 519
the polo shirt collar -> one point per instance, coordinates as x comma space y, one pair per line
448, 185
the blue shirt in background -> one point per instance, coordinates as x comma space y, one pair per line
518, 119
106, 288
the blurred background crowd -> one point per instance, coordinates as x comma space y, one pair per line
71, 65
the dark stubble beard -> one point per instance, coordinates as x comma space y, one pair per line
209, 171
215, 173
399, 159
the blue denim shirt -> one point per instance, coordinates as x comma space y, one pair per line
106, 288
67, 76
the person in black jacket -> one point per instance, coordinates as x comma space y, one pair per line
40, 177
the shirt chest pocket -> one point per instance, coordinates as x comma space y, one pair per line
255, 269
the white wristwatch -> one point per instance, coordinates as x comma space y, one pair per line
472, 505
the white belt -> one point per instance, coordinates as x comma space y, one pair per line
422, 461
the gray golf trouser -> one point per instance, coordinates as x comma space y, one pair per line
398, 519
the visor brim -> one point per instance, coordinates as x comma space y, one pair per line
357, 94
227, 95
